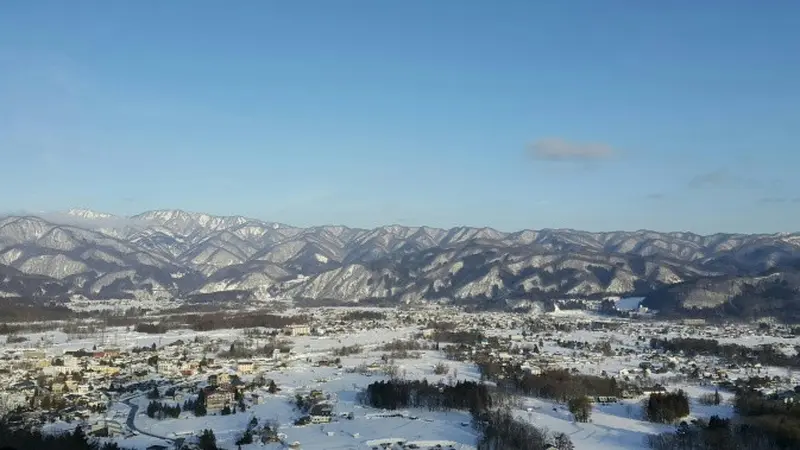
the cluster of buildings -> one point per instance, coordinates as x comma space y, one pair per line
44, 384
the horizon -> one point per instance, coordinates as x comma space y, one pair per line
64, 217
580, 116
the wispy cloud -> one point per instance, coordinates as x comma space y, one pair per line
557, 149
655, 196
722, 179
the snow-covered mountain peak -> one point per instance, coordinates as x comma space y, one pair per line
97, 254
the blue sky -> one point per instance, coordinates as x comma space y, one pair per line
594, 115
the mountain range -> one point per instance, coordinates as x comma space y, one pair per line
179, 254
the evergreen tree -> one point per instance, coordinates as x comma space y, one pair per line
207, 440
200, 404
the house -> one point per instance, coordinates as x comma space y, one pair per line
218, 399
321, 413
223, 378
298, 330
244, 367
657, 389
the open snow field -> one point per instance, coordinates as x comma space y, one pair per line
616, 426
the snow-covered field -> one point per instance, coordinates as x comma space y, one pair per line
616, 426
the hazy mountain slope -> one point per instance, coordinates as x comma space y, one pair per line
174, 252
14, 283
776, 293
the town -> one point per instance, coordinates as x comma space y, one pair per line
302, 383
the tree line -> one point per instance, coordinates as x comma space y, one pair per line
558, 384
210, 321
151, 328
25, 439
395, 394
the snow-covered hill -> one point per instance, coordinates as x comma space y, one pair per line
182, 253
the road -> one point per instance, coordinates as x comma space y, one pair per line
131, 422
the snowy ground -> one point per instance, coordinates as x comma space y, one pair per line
367, 425
616, 426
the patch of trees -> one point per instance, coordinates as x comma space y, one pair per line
560, 384
151, 328
144, 348
666, 408
363, 315
160, 411
24, 439
207, 440
247, 437
442, 325
501, 431
441, 369
771, 415
581, 408
19, 310
348, 350
407, 345
711, 399
459, 352
764, 354
395, 394
154, 394
718, 434
220, 320
14, 339
458, 337
198, 405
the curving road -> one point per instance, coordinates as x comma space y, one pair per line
131, 422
